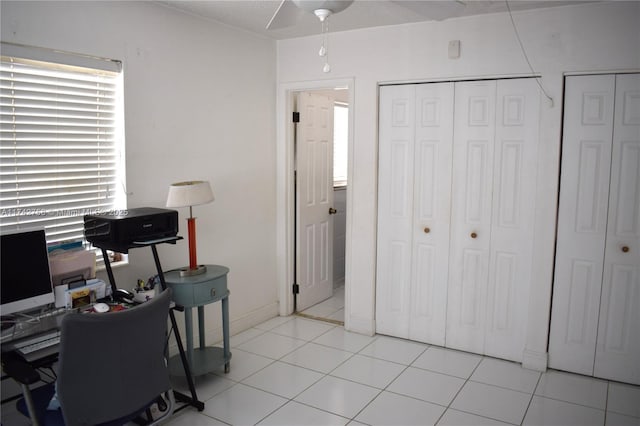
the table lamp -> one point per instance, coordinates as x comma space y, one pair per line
189, 194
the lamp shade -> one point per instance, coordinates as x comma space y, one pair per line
190, 193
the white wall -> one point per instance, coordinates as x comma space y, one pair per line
592, 37
199, 104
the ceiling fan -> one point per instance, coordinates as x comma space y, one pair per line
289, 11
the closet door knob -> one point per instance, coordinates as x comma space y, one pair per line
427, 230
474, 235
332, 210
625, 249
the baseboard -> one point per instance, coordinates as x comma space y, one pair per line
535, 360
364, 326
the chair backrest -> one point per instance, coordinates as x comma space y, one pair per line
113, 364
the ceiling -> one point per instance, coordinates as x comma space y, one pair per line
253, 15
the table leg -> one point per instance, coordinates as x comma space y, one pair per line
225, 332
201, 325
188, 325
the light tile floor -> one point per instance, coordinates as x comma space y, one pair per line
297, 371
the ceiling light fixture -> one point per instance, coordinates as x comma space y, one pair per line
322, 9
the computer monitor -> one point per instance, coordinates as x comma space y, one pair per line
25, 278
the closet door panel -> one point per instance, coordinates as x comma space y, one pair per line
431, 215
582, 221
395, 209
618, 343
514, 188
473, 155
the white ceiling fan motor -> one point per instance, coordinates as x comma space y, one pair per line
322, 14
323, 8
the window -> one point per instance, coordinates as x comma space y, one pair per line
62, 140
340, 144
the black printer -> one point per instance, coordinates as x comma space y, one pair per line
124, 229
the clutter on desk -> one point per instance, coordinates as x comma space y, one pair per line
72, 296
73, 273
71, 262
145, 290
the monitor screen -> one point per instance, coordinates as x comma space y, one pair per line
24, 272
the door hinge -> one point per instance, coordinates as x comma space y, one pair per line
296, 117
296, 289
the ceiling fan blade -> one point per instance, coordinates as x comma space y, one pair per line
286, 16
434, 9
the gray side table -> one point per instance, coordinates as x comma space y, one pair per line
198, 291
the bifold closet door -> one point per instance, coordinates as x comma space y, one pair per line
414, 187
596, 297
494, 185
618, 343
582, 221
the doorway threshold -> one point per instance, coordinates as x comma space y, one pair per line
317, 318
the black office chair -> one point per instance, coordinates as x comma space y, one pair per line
112, 368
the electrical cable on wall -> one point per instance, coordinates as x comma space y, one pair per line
524, 53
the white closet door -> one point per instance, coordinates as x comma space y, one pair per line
414, 187
431, 212
582, 221
473, 154
512, 218
395, 209
618, 343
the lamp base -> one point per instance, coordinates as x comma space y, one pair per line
190, 272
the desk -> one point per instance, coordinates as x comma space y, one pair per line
198, 291
25, 373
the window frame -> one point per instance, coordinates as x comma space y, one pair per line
46, 135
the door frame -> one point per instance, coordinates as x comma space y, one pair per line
285, 189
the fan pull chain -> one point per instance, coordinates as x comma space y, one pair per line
324, 49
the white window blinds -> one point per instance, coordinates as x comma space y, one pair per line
62, 144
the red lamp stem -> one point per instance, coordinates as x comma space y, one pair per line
191, 225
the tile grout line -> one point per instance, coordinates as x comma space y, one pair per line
388, 384
324, 375
462, 387
524, 415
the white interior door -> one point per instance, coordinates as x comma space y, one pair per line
617, 353
582, 221
471, 214
314, 198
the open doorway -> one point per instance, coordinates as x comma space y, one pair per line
285, 183
328, 255
287, 218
